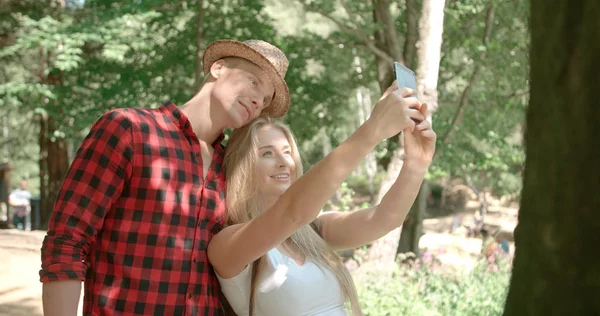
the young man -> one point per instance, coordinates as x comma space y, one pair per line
145, 194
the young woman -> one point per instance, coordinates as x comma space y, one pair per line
275, 258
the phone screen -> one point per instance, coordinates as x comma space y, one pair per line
406, 78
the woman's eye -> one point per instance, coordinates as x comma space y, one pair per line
267, 154
252, 81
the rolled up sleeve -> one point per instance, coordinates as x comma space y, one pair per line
92, 185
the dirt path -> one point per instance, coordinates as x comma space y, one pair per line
20, 288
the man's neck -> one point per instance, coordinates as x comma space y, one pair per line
206, 120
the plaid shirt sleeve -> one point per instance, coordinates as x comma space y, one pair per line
93, 183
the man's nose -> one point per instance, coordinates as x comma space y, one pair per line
258, 102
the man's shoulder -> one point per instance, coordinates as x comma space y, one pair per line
132, 113
135, 117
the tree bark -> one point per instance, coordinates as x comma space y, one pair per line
56, 165
556, 263
385, 72
45, 206
54, 155
412, 33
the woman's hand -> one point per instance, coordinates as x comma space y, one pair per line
419, 145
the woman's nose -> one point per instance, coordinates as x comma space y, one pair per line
283, 161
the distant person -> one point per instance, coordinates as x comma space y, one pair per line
20, 201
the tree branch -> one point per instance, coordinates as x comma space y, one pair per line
370, 44
466, 94
382, 9
517, 94
352, 16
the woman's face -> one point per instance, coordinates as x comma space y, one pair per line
276, 166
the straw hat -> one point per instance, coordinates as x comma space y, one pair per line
268, 57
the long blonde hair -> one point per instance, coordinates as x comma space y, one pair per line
241, 156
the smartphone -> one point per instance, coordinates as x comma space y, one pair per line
406, 78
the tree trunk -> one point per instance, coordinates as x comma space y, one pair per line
412, 228
412, 33
363, 100
384, 250
385, 72
45, 207
556, 262
56, 165
5, 146
431, 27
480, 194
54, 155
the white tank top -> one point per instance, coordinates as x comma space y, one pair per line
285, 288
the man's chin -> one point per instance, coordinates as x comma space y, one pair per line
238, 122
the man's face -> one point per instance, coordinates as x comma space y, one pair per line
242, 88
23, 184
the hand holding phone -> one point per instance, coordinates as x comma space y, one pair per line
406, 79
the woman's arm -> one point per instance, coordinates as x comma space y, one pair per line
238, 245
354, 229
348, 230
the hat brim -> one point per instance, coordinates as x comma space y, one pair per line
230, 48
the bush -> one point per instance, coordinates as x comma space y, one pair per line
424, 290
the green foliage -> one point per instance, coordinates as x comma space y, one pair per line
360, 182
343, 202
105, 54
486, 143
429, 290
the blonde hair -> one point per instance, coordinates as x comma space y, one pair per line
241, 157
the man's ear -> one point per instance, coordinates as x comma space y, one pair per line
217, 68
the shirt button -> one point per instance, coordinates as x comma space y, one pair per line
197, 154
194, 260
190, 296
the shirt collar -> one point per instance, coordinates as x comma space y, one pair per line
174, 113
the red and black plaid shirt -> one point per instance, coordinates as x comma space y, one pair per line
134, 217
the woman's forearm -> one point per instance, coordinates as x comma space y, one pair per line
397, 202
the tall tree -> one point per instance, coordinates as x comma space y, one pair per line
556, 263
54, 160
431, 27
